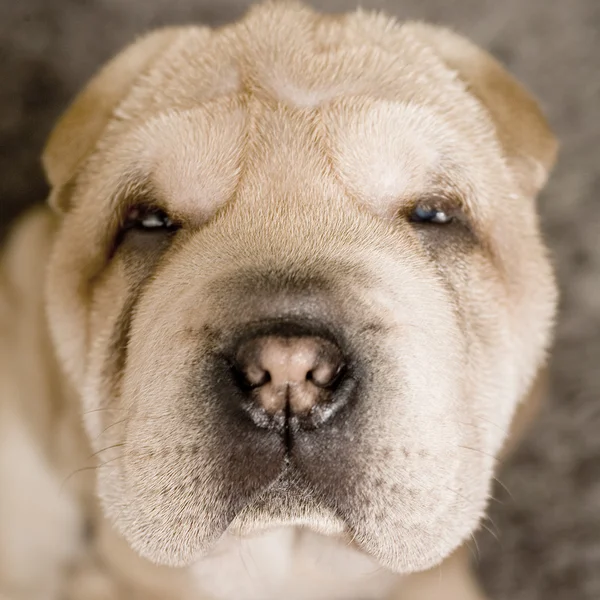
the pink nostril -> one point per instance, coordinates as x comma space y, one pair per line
296, 372
256, 376
325, 374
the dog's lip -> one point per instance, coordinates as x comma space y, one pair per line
239, 527
243, 531
233, 533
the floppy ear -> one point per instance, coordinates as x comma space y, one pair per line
80, 127
529, 146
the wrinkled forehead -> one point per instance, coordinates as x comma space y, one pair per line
378, 151
221, 114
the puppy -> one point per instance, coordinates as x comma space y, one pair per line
270, 340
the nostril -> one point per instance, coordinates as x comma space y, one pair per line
326, 375
248, 378
255, 376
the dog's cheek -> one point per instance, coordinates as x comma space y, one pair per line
110, 310
473, 275
475, 420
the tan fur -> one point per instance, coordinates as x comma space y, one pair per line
291, 147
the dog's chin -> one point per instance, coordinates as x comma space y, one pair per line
260, 558
279, 506
287, 538
281, 509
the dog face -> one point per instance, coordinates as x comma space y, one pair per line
299, 281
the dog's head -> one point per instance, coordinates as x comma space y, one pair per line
298, 280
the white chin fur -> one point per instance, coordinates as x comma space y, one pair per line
293, 563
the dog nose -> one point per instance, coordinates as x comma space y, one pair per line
294, 378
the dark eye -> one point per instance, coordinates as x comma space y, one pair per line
430, 214
147, 218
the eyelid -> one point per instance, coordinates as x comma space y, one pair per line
449, 205
442, 202
136, 213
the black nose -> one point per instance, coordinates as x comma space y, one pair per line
291, 380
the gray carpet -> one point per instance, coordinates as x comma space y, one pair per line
547, 526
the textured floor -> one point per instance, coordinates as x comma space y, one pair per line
548, 525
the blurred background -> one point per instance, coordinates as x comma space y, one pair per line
544, 532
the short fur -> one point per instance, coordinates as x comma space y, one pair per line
291, 147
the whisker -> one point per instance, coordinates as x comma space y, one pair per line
494, 499
502, 429
491, 532
83, 469
470, 424
458, 494
242, 550
112, 425
119, 445
477, 555
505, 488
495, 458
102, 409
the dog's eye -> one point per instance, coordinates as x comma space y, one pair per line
440, 219
146, 218
146, 228
430, 214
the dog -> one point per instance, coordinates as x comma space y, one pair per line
286, 311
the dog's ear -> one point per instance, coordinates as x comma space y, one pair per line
529, 145
80, 127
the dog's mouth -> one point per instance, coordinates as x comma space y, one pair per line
288, 502
340, 480
388, 502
